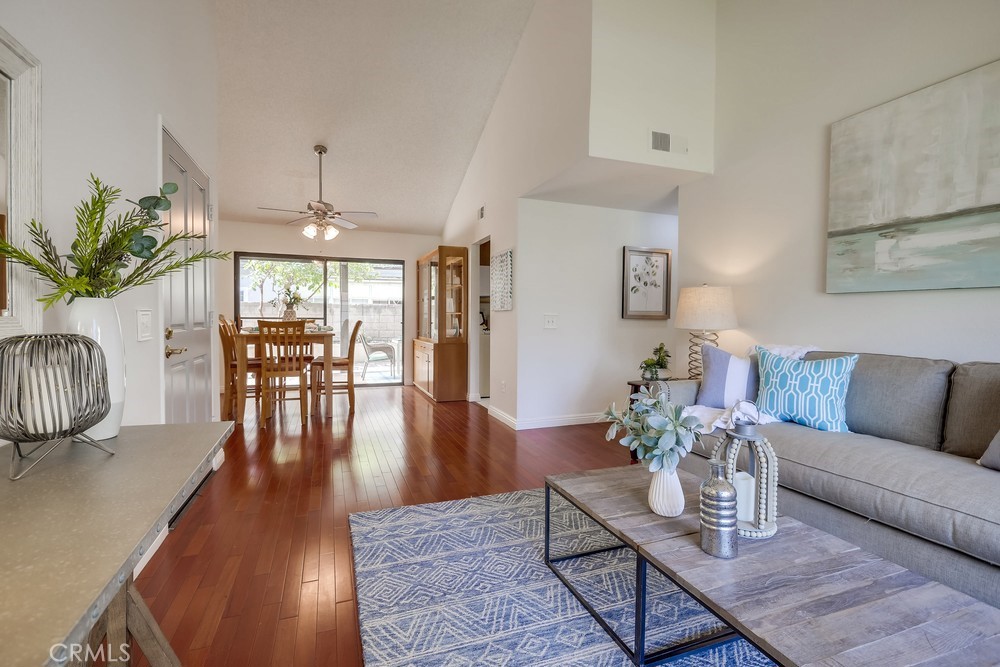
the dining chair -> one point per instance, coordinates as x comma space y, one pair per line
227, 335
283, 354
339, 364
377, 352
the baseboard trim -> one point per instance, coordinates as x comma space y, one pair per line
502, 417
565, 420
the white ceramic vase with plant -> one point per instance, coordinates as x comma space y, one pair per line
660, 435
111, 254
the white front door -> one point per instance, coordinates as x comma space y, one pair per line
186, 298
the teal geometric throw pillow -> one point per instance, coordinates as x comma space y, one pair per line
811, 393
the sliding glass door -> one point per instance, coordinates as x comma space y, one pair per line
335, 293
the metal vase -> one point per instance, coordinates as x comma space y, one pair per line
718, 513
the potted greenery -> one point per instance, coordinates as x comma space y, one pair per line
657, 366
660, 435
289, 299
111, 254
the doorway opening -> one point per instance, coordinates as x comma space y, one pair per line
484, 324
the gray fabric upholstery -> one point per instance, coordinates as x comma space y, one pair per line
970, 575
682, 392
991, 458
973, 409
898, 398
918, 490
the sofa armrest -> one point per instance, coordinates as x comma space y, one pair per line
681, 392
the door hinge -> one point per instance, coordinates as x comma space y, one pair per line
211, 212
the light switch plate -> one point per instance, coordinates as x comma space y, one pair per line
143, 324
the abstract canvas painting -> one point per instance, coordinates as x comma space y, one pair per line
915, 190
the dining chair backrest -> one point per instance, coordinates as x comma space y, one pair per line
282, 345
228, 340
354, 341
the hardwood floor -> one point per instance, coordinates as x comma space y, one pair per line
258, 571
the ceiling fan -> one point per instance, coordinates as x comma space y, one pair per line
322, 215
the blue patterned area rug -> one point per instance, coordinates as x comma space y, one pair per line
463, 583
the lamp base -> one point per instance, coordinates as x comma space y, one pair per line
694, 351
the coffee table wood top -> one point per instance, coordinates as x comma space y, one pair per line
803, 596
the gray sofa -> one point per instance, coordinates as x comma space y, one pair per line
904, 484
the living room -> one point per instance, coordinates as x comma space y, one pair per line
563, 173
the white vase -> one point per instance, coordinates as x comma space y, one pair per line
98, 319
666, 497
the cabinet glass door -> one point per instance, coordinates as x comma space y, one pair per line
424, 298
454, 285
433, 302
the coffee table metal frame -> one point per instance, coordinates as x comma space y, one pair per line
638, 656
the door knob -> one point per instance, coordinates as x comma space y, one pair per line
171, 351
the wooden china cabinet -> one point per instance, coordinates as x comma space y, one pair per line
441, 349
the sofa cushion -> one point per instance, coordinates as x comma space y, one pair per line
811, 393
899, 398
939, 497
726, 378
991, 457
973, 409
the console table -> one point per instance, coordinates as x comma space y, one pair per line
73, 530
801, 597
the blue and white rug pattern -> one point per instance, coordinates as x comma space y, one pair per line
462, 583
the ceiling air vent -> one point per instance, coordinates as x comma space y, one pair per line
669, 144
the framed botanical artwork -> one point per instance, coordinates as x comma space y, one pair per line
645, 283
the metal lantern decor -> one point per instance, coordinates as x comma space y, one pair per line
55, 387
759, 518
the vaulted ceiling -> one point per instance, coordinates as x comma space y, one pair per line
398, 90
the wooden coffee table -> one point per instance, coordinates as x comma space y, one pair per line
802, 597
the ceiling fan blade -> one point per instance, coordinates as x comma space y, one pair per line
358, 214
292, 222
342, 222
283, 210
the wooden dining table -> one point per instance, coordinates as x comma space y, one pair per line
247, 339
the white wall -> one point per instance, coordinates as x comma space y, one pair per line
786, 71
537, 128
653, 68
356, 243
571, 266
110, 70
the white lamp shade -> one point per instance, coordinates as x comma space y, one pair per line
705, 309
330, 233
310, 230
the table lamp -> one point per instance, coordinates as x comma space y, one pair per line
704, 311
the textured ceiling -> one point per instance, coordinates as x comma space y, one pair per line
398, 90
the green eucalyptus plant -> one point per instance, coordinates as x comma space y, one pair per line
109, 255
656, 430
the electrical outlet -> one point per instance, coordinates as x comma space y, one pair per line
503, 386
550, 321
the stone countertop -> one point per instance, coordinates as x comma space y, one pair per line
73, 529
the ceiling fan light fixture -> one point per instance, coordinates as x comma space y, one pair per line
310, 230
330, 232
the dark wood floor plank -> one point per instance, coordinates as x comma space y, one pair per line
259, 570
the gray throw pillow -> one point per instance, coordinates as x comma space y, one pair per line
991, 459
